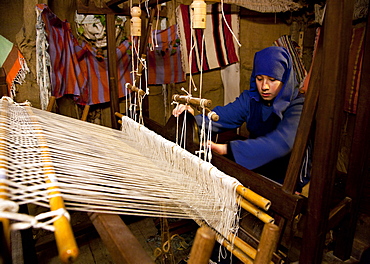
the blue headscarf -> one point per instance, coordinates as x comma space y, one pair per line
277, 63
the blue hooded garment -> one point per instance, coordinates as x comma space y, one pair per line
272, 128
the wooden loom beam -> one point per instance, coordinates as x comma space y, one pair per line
122, 245
329, 118
359, 155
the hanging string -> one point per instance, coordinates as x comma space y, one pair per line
227, 24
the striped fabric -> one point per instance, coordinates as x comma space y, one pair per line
219, 47
295, 52
165, 60
75, 69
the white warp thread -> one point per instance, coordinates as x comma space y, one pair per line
99, 169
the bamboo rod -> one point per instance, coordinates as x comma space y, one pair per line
256, 211
50, 106
85, 112
237, 252
253, 197
268, 243
242, 246
3, 169
67, 247
203, 245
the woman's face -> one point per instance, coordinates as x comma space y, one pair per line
268, 87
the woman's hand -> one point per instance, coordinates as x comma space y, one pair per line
218, 148
181, 108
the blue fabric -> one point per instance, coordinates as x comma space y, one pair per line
273, 128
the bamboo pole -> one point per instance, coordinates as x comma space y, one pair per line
242, 246
256, 211
203, 245
237, 252
253, 197
67, 247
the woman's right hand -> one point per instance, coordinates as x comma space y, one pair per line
181, 108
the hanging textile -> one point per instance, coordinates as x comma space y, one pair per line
165, 59
295, 52
76, 69
267, 6
219, 47
14, 64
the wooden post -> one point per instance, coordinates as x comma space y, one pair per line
112, 67
336, 35
268, 243
359, 155
203, 245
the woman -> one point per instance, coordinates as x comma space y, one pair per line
271, 109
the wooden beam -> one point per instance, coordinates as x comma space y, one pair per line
122, 245
329, 117
112, 68
359, 154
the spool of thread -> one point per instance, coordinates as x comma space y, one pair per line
135, 21
199, 16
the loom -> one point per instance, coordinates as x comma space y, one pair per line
91, 168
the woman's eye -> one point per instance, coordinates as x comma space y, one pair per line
272, 79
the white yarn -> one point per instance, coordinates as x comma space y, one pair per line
99, 169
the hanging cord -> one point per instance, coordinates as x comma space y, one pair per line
227, 24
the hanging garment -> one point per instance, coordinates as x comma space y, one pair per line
165, 57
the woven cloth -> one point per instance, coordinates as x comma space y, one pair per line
219, 47
165, 58
295, 52
267, 6
14, 65
77, 69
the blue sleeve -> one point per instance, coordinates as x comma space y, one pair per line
232, 115
253, 153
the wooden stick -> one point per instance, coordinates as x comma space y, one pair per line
196, 102
67, 247
184, 99
253, 197
85, 112
50, 106
268, 243
203, 245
